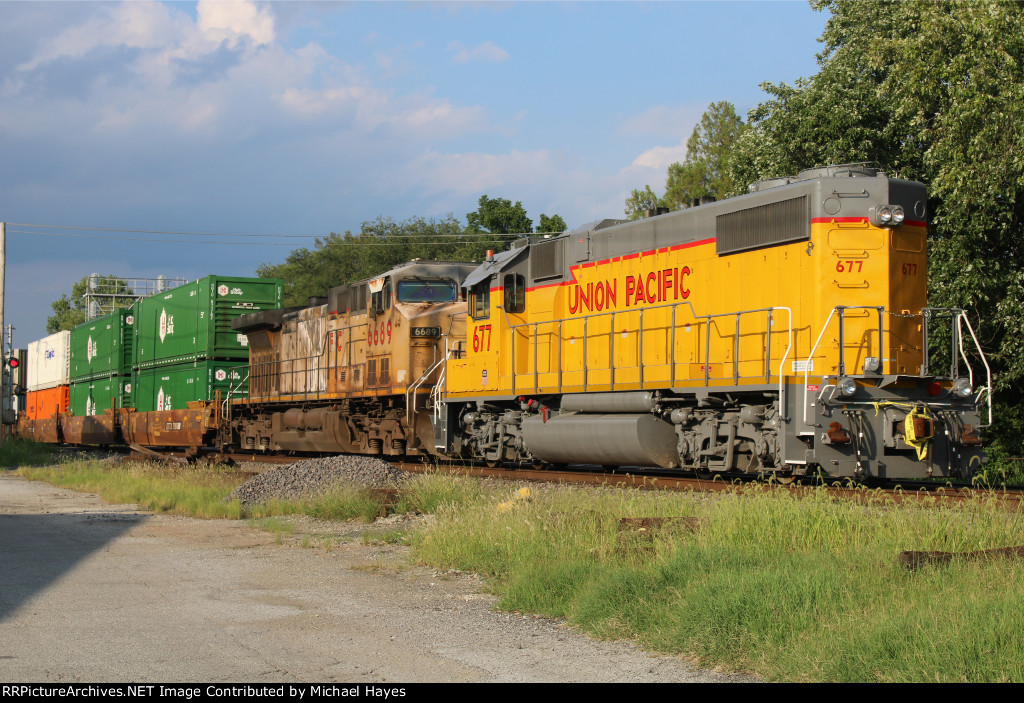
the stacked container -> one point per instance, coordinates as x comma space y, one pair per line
101, 363
185, 349
47, 376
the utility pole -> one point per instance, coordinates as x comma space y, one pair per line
3, 267
7, 397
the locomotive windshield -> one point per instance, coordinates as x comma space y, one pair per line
423, 290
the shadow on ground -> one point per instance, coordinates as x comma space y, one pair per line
37, 550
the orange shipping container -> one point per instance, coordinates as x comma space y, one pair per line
41, 405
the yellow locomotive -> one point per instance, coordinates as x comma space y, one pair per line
783, 331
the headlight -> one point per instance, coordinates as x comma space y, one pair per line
887, 215
962, 388
847, 386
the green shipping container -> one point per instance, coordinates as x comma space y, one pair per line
93, 397
193, 322
171, 387
103, 347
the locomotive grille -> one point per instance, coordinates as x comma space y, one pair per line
546, 259
761, 226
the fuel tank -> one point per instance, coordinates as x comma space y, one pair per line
611, 439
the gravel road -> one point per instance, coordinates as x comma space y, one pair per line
92, 592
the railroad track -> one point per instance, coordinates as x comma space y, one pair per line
648, 479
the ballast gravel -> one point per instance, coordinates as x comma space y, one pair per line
312, 477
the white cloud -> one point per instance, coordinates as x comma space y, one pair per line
546, 181
233, 22
488, 51
137, 25
673, 121
209, 75
477, 172
660, 158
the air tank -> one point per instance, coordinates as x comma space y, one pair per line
638, 402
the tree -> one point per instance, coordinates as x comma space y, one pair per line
499, 216
65, 315
639, 202
553, 224
384, 243
709, 154
707, 170
932, 92
113, 292
381, 244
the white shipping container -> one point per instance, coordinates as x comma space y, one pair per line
48, 361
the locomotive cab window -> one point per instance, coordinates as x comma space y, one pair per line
515, 293
422, 290
480, 300
381, 300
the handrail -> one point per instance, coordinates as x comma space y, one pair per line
227, 399
523, 328
987, 389
958, 317
410, 391
437, 391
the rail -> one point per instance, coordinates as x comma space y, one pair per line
958, 318
410, 391
306, 375
670, 355
226, 404
309, 377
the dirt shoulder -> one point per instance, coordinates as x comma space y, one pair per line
94, 592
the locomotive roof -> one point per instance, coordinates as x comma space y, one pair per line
499, 262
734, 224
452, 269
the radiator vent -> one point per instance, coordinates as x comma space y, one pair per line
762, 226
546, 259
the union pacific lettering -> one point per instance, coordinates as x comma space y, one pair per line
648, 288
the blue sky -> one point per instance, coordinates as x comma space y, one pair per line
310, 117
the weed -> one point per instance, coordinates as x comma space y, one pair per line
393, 537
16, 451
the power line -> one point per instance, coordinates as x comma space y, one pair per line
160, 231
354, 242
240, 234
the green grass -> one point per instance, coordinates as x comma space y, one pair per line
185, 490
16, 451
793, 588
198, 491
